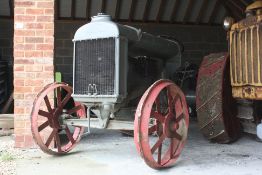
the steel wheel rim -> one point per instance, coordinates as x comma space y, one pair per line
141, 131
73, 138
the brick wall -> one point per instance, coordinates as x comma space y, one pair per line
198, 41
33, 60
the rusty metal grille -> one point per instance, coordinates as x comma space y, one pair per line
95, 67
246, 55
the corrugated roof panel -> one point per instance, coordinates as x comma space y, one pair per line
139, 9
65, 8
95, 7
168, 10
195, 10
81, 8
154, 10
220, 15
209, 9
111, 7
182, 10
124, 9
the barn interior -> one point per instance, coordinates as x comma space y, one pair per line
196, 24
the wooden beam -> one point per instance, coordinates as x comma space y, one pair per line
132, 10
214, 11
174, 11
117, 12
238, 5
73, 9
188, 10
103, 6
231, 10
88, 9
244, 2
11, 7
201, 11
146, 10
160, 10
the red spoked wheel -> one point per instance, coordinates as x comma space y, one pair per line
49, 132
161, 124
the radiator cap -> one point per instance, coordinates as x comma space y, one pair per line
101, 17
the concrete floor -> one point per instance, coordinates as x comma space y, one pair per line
109, 152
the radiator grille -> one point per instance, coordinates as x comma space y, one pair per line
246, 56
95, 65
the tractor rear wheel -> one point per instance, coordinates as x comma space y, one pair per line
216, 108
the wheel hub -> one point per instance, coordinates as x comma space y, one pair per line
170, 126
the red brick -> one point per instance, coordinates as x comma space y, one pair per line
24, 33
22, 89
20, 124
49, 26
44, 18
34, 54
18, 39
20, 11
48, 68
34, 83
34, 40
23, 61
19, 54
24, 18
19, 68
24, 3
49, 54
19, 97
35, 11
34, 26
24, 46
18, 82
49, 11
30, 96
44, 46
20, 138
19, 110
33, 68
45, 5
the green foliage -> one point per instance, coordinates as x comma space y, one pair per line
6, 157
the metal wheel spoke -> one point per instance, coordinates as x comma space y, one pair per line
159, 154
152, 129
58, 142
66, 99
158, 143
69, 135
74, 110
44, 114
177, 136
59, 97
43, 126
179, 118
48, 105
170, 101
50, 138
158, 116
171, 148
157, 105
178, 105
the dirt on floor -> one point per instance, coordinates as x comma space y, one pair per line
109, 152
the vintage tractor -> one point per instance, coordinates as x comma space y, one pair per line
119, 82
229, 88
